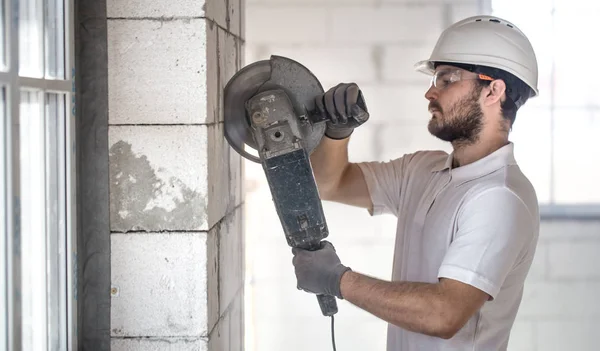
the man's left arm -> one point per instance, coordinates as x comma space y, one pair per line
435, 309
495, 231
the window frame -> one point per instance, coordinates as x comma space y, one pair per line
11, 196
551, 210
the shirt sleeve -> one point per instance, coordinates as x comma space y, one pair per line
384, 182
494, 230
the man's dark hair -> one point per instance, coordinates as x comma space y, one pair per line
517, 92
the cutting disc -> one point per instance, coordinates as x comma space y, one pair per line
279, 72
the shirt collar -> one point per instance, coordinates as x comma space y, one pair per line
502, 157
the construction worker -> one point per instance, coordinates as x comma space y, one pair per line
468, 221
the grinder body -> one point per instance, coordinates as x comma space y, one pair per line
269, 106
289, 174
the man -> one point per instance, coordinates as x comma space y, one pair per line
468, 222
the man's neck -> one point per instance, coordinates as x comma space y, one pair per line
466, 153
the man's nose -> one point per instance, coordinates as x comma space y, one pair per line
431, 94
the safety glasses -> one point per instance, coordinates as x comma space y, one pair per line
442, 78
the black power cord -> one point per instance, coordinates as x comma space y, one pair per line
333, 333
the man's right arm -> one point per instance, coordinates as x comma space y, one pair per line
338, 179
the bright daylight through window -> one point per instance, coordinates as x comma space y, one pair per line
37, 245
557, 131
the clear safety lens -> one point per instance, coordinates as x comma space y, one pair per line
443, 78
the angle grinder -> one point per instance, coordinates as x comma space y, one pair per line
270, 118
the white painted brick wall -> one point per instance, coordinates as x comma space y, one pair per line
342, 41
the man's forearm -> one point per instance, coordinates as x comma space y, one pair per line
418, 307
328, 161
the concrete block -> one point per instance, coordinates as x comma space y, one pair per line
558, 335
570, 230
226, 265
574, 259
560, 300
243, 6
287, 25
212, 268
219, 338
234, 20
214, 86
158, 178
231, 259
219, 195
225, 175
157, 71
522, 336
167, 300
228, 59
159, 344
236, 178
229, 332
384, 25
399, 61
330, 64
216, 11
155, 9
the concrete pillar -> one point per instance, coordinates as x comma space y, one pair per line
177, 249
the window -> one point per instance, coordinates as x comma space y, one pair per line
37, 244
556, 132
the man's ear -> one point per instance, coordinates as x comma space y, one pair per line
495, 91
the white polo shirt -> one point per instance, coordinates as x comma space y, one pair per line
477, 223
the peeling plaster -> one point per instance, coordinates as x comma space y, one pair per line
143, 198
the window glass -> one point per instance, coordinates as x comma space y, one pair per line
576, 155
55, 40
31, 43
33, 224
2, 35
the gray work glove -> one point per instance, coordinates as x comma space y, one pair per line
319, 271
345, 109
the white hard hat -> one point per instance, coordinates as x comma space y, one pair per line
486, 41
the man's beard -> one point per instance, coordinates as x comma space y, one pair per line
463, 121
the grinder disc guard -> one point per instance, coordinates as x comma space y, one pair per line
299, 84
